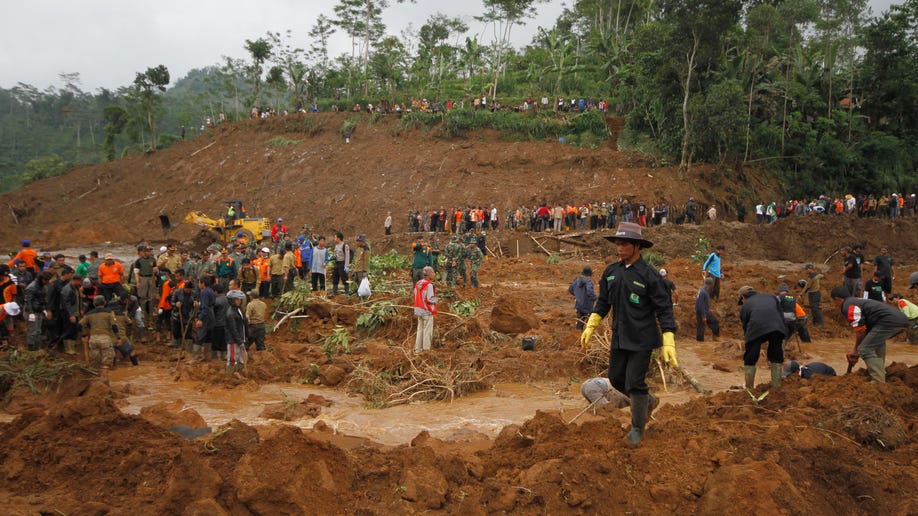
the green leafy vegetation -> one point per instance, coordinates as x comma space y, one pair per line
703, 249
816, 91
337, 342
465, 308
280, 141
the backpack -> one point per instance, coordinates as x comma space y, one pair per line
788, 307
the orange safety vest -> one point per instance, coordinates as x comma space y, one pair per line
296, 255
28, 255
262, 264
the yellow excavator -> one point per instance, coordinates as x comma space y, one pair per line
234, 224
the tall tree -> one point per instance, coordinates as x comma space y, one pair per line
147, 87
503, 15
260, 51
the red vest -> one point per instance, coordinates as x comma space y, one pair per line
419, 302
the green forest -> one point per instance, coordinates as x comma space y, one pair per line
821, 92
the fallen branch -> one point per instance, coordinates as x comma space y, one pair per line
662, 375
691, 380
490, 251
147, 198
84, 194
540, 245
284, 318
203, 148
13, 213
588, 407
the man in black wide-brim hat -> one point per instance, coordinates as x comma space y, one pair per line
641, 311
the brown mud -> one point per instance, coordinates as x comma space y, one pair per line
301, 430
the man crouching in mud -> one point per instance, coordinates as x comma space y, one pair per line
635, 293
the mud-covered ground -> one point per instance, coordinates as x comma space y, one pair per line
294, 433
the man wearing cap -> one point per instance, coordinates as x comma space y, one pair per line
584, 293
763, 322
278, 230
27, 255
811, 289
111, 277
425, 308
101, 325
145, 271
711, 269
641, 309
873, 323
263, 264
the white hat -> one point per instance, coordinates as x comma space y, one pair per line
162, 249
11, 308
265, 250
663, 272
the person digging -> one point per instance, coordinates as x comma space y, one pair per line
642, 320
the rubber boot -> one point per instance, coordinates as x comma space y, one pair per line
749, 372
230, 369
776, 370
876, 368
640, 403
196, 351
70, 347
134, 360
652, 405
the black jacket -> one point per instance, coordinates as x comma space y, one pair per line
235, 326
639, 301
761, 315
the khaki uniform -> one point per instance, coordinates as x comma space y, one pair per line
100, 323
255, 314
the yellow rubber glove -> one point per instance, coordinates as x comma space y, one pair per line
591, 325
669, 349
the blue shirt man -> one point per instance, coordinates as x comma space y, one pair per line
711, 268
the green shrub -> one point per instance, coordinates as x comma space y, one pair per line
654, 258
280, 141
702, 250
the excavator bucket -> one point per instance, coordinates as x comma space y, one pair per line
164, 222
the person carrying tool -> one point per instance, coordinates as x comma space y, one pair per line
873, 323
641, 310
763, 321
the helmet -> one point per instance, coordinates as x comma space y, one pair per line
663, 272
280, 220
235, 294
801, 283
239, 234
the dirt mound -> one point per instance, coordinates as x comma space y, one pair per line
200, 173
793, 451
512, 314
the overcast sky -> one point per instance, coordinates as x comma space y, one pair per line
108, 41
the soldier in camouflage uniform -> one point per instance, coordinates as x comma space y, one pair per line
460, 263
474, 256
435, 253
452, 252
